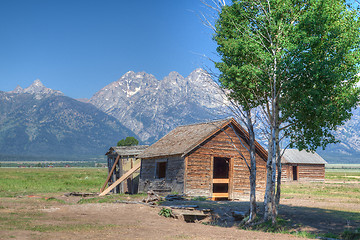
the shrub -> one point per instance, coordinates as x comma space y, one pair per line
351, 235
166, 212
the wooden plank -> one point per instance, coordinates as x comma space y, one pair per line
125, 176
231, 176
120, 172
221, 180
130, 185
185, 174
211, 173
220, 195
110, 173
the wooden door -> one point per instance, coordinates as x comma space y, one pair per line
295, 173
221, 178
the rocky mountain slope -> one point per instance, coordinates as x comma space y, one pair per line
40, 121
151, 108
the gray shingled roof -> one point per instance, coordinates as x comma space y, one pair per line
296, 156
183, 139
128, 150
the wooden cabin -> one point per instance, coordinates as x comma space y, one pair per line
205, 159
124, 159
302, 166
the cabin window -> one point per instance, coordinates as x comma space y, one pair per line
161, 169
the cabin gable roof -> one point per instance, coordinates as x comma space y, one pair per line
183, 139
294, 156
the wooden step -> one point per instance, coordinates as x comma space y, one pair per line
220, 195
221, 180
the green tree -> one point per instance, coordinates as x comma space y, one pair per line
297, 61
128, 141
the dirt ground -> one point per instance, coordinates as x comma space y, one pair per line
120, 221
310, 215
320, 216
59, 217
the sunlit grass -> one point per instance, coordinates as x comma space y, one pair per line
343, 175
27, 181
342, 185
323, 189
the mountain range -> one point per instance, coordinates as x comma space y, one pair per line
151, 108
40, 121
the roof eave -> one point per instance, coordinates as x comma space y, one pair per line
160, 156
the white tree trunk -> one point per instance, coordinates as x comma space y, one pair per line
269, 187
252, 168
278, 168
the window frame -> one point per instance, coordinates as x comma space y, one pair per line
157, 168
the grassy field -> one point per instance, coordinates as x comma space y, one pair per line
28, 181
348, 191
19, 210
344, 175
338, 184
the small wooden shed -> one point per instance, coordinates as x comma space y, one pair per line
302, 166
202, 160
124, 159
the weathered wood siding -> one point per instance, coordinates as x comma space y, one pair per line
125, 163
286, 173
306, 172
311, 172
174, 178
132, 183
199, 167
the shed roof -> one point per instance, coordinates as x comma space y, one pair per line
183, 139
127, 150
298, 157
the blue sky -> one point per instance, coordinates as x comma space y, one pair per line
79, 46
